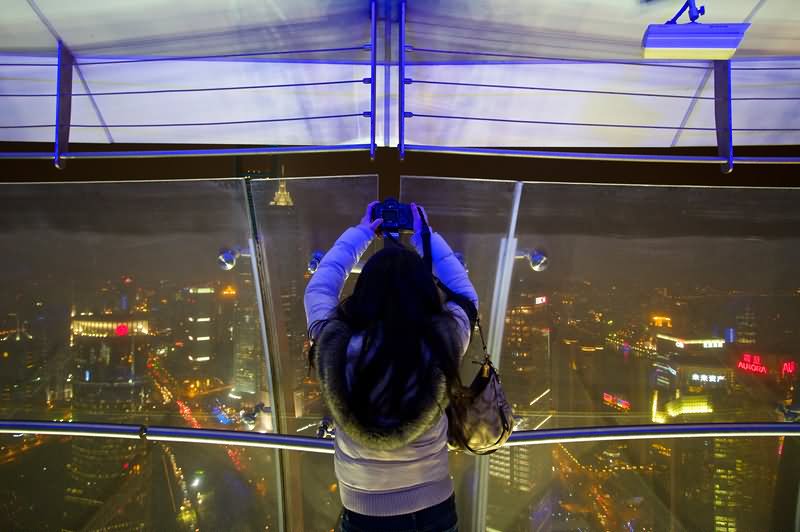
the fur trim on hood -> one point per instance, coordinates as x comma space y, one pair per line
331, 358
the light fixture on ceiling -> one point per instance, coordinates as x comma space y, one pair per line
692, 40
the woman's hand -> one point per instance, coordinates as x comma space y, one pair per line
417, 218
366, 222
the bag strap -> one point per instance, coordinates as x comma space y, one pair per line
459, 299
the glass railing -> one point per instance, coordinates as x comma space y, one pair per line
640, 332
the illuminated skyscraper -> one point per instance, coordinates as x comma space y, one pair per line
246, 333
522, 476
17, 360
108, 359
199, 326
746, 327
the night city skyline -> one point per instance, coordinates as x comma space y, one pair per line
143, 326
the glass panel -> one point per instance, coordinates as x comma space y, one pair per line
686, 484
114, 307
76, 483
722, 484
474, 217
638, 305
659, 304
296, 218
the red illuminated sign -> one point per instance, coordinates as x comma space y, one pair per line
617, 402
789, 367
752, 364
540, 300
121, 330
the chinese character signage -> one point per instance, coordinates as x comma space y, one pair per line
752, 364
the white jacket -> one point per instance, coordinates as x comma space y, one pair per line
376, 476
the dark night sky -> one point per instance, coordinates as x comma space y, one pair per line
644, 235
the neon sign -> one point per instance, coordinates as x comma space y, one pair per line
752, 364
789, 367
707, 343
616, 402
702, 377
540, 300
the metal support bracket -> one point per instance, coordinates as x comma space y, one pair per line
723, 113
63, 103
500, 294
401, 78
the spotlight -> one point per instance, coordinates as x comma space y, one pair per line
537, 259
693, 40
313, 264
227, 259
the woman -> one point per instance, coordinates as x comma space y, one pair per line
387, 358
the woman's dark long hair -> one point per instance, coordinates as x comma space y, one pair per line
396, 305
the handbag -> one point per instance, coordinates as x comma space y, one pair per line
479, 417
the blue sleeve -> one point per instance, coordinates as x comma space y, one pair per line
325, 287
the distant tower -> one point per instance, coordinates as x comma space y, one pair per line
282, 197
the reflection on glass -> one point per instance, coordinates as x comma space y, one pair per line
668, 305
474, 217
149, 486
113, 309
300, 219
721, 484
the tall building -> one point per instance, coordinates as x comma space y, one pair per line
109, 354
18, 359
714, 483
746, 327
199, 305
247, 350
521, 477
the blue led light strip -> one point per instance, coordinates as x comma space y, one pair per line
304, 443
401, 80
595, 156
373, 70
211, 152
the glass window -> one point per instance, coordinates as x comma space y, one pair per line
89, 483
299, 219
654, 484
642, 304
118, 306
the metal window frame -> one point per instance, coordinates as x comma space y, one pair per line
291, 442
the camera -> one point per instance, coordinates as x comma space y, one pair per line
397, 217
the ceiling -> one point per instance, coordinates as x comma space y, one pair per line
207, 71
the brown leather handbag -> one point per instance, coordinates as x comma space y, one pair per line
479, 417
